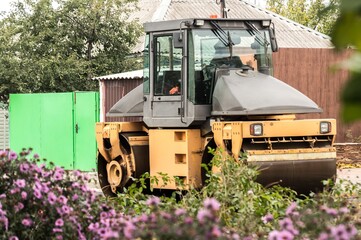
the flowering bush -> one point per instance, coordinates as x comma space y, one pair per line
41, 203
37, 202
158, 224
316, 222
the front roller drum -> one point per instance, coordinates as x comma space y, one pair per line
115, 175
303, 176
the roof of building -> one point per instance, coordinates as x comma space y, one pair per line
289, 33
137, 74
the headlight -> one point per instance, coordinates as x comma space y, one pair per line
325, 127
256, 129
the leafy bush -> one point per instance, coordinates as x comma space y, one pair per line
41, 203
37, 202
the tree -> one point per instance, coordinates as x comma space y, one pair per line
59, 45
315, 14
346, 33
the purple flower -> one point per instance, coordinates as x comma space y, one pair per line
76, 173
4, 220
35, 168
287, 224
65, 209
27, 222
24, 195
3, 153
109, 234
20, 183
352, 231
153, 201
13, 238
57, 230
212, 204
74, 197
103, 215
128, 230
93, 227
343, 232
59, 237
15, 190
58, 176
51, 198
330, 211
46, 174
344, 210
24, 167
280, 235
291, 208
188, 220
36, 156
37, 194
235, 236
18, 207
2, 212
12, 155
166, 215
62, 200
58, 173
38, 185
143, 218
323, 236
267, 218
203, 214
180, 211
59, 222
216, 232
84, 188
45, 188
101, 232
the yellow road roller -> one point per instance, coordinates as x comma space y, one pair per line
208, 83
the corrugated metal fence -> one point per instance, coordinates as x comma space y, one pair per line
115, 90
4, 127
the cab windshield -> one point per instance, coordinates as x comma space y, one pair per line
236, 49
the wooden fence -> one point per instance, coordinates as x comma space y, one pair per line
313, 72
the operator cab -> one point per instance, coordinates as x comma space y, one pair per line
183, 59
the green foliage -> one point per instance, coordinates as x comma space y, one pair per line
251, 210
242, 199
59, 45
41, 203
346, 34
37, 202
314, 14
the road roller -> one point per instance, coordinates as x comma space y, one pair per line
208, 83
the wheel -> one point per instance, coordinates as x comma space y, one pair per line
103, 177
114, 176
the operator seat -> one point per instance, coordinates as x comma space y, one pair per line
171, 78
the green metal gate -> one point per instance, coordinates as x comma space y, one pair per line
58, 126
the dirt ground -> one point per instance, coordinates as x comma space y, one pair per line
348, 155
